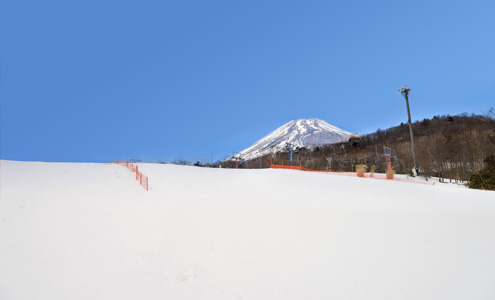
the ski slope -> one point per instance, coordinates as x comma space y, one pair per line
90, 231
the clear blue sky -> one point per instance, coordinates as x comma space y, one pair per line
93, 81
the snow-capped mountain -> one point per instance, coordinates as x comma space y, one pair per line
300, 133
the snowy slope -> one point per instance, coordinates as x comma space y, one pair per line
89, 231
300, 133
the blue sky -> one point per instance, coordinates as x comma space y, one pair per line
93, 81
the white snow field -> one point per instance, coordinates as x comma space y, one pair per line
90, 231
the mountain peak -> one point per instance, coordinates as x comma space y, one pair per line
306, 133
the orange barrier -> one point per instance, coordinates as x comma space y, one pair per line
304, 169
365, 175
284, 167
143, 179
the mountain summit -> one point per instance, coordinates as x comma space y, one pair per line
306, 133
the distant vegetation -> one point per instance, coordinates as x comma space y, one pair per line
485, 179
449, 147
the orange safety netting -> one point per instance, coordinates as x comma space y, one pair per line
143, 179
365, 175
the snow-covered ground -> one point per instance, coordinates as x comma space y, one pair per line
90, 231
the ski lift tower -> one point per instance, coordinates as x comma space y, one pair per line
237, 157
377, 160
329, 160
290, 148
405, 92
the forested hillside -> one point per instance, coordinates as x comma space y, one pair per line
452, 147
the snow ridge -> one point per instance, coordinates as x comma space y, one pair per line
307, 133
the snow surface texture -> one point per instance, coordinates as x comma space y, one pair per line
89, 231
301, 133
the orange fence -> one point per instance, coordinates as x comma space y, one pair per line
143, 179
285, 167
365, 175
304, 169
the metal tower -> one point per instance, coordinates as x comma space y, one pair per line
405, 92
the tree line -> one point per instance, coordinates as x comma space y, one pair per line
449, 147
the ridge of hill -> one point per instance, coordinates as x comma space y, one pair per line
447, 147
